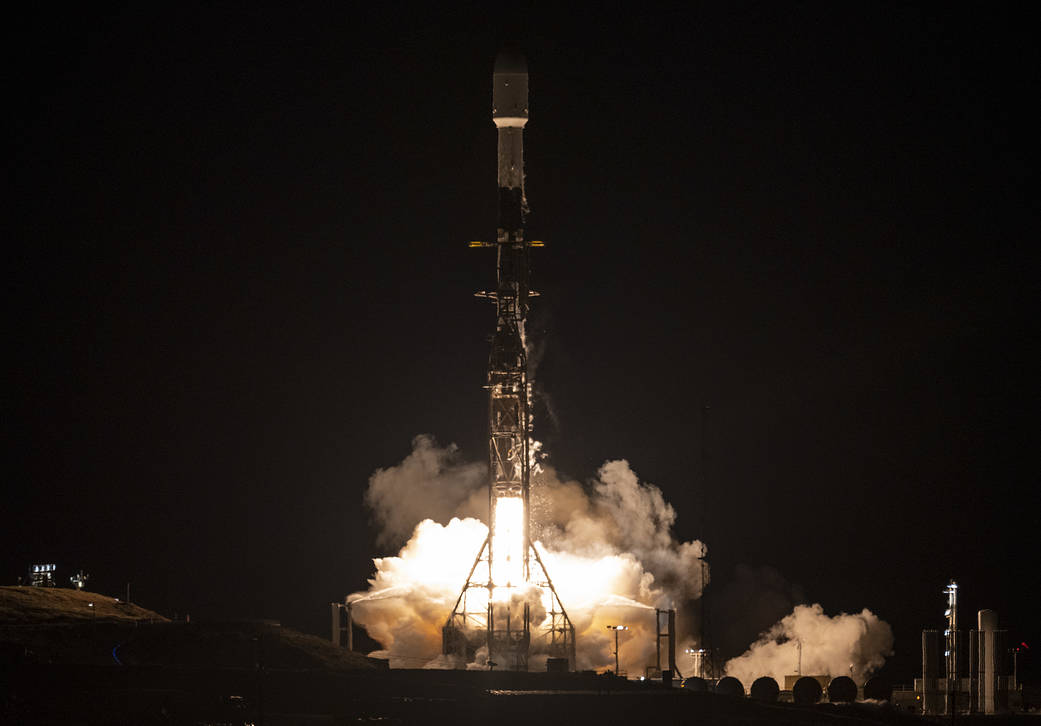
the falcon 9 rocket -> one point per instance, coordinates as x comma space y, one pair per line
508, 603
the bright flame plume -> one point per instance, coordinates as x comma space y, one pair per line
507, 567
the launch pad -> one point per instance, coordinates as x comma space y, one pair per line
483, 616
508, 594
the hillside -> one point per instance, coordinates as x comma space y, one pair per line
37, 605
56, 625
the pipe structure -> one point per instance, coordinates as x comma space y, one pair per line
950, 653
672, 645
350, 627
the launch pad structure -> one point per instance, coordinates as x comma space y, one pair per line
508, 603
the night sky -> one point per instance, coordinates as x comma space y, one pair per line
790, 274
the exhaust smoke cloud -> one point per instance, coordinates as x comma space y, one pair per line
608, 546
431, 483
831, 646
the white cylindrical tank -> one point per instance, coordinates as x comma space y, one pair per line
988, 671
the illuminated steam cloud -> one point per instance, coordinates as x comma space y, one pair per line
608, 545
830, 646
431, 483
619, 515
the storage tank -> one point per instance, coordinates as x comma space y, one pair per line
765, 689
729, 686
807, 691
842, 690
695, 684
878, 689
991, 696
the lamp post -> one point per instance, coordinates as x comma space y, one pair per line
616, 629
698, 656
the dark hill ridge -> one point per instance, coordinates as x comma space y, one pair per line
55, 625
31, 605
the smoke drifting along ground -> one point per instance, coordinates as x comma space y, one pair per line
830, 646
608, 546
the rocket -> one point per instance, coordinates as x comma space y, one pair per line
507, 566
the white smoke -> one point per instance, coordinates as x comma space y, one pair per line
831, 646
410, 595
608, 547
431, 483
618, 515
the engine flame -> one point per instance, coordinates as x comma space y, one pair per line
507, 564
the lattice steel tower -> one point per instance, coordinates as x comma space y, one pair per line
508, 602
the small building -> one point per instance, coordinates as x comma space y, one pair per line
43, 575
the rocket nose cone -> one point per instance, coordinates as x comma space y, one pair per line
510, 61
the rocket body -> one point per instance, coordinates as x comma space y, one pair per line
509, 424
507, 364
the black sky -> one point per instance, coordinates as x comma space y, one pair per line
239, 283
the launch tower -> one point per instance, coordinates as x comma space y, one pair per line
508, 602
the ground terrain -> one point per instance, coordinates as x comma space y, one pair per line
65, 662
